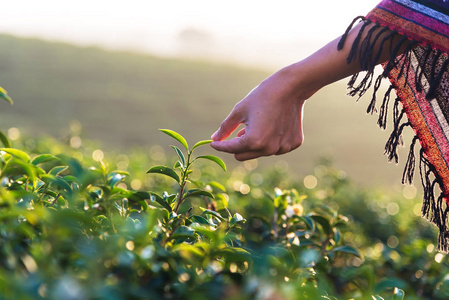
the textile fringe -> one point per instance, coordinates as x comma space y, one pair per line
434, 208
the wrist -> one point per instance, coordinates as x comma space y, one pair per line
295, 77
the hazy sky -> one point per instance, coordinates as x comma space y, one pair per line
243, 30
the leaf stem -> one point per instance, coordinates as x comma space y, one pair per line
183, 182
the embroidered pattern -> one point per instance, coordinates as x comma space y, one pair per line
420, 77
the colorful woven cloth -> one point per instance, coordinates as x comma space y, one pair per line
420, 76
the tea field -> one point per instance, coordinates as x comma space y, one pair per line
82, 222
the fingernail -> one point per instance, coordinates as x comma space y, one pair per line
214, 135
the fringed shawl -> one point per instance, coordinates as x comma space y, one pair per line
420, 77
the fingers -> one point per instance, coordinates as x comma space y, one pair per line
244, 147
227, 127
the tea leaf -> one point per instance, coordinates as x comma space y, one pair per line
114, 178
56, 181
200, 143
347, 249
5, 140
234, 254
182, 159
17, 153
398, 294
57, 170
215, 159
323, 222
176, 136
307, 220
164, 171
236, 219
4, 95
196, 193
183, 231
217, 185
222, 200
213, 213
43, 158
155, 197
200, 220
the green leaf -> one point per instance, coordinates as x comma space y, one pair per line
155, 197
217, 185
54, 180
323, 222
234, 254
347, 249
5, 140
215, 159
237, 219
164, 171
43, 158
182, 159
307, 220
176, 136
337, 235
200, 220
200, 143
114, 178
398, 294
58, 170
222, 200
376, 297
188, 251
17, 167
183, 232
4, 95
17, 153
213, 213
196, 193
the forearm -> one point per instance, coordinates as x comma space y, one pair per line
329, 65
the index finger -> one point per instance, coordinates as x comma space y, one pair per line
234, 145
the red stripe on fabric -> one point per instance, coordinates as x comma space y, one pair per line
409, 29
415, 16
433, 123
411, 104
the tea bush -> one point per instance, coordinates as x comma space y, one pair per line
79, 223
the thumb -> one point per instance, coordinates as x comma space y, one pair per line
227, 127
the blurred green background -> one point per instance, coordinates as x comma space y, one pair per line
121, 99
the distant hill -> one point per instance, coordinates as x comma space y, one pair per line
122, 99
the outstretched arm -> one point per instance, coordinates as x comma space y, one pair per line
272, 112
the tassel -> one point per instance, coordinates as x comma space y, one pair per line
355, 45
422, 64
406, 58
382, 121
409, 169
388, 37
372, 105
367, 47
426, 184
443, 237
345, 35
395, 139
431, 93
393, 61
434, 210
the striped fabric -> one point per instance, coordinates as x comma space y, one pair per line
426, 21
420, 77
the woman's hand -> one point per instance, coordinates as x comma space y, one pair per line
272, 112
272, 115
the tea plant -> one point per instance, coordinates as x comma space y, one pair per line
78, 232
4, 95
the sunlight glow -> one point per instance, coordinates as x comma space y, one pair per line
232, 28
